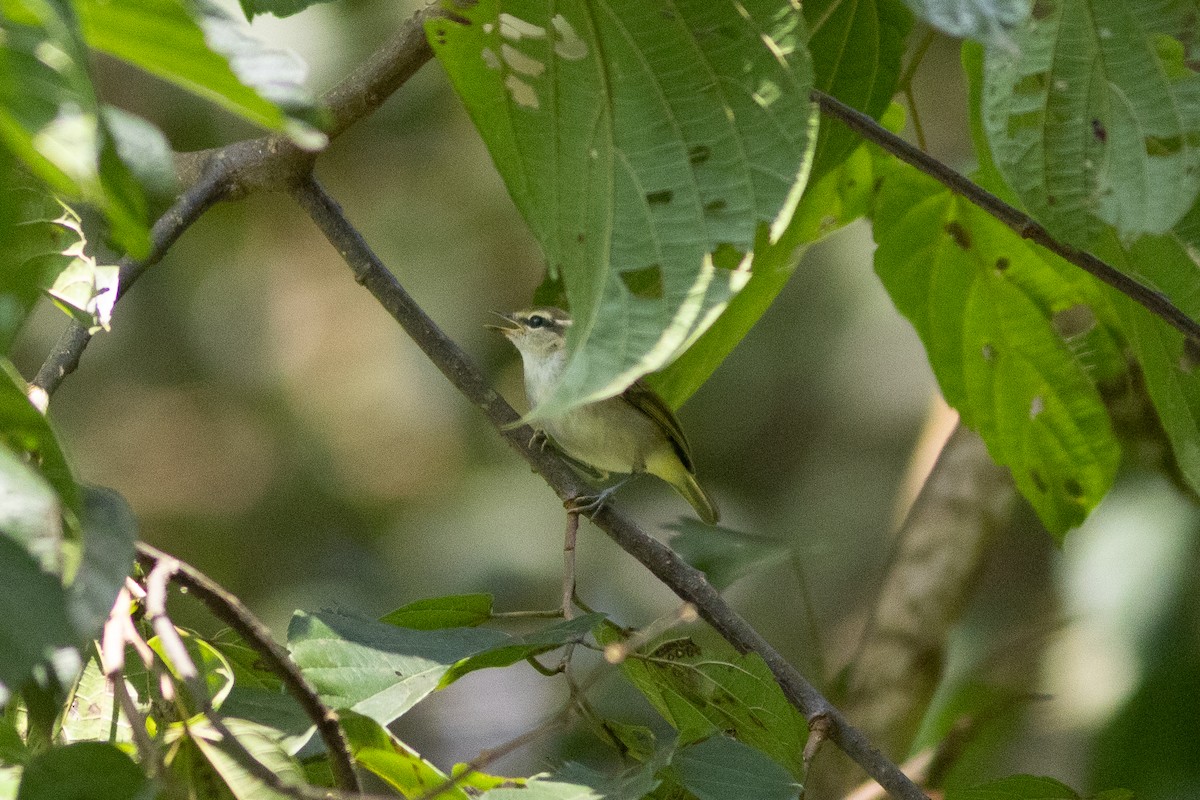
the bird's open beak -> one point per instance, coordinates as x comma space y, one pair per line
509, 328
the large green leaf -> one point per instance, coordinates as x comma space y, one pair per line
211, 56
82, 771
646, 147
985, 20
1007, 328
378, 670
50, 118
1095, 116
700, 694
856, 47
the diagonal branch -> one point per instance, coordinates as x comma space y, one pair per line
683, 579
1019, 222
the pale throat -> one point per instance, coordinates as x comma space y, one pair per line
542, 373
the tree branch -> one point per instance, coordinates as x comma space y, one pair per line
686, 581
238, 169
1019, 222
230, 610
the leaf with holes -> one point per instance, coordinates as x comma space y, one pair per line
841, 196
1013, 337
700, 694
649, 147
1095, 117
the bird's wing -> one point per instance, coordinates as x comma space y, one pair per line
646, 400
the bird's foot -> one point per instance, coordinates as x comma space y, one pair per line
538, 440
589, 504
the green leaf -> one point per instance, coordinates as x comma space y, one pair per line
998, 318
1016, 787
378, 670
248, 667
989, 21
724, 555
376, 749
233, 767
26, 431
84, 289
452, 611
145, 149
700, 694
646, 150
30, 511
1095, 116
986, 174
280, 8
630, 784
12, 745
575, 781
91, 714
522, 647
109, 534
1169, 365
212, 57
50, 119
721, 768
215, 671
274, 710
856, 47
82, 771
37, 640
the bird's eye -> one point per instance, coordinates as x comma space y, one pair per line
538, 321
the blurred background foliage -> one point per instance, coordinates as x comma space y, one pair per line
270, 424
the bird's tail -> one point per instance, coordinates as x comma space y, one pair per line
694, 493
671, 469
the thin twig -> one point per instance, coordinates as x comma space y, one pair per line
686, 581
1020, 223
568, 577
230, 610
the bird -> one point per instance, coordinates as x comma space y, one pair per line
632, 432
